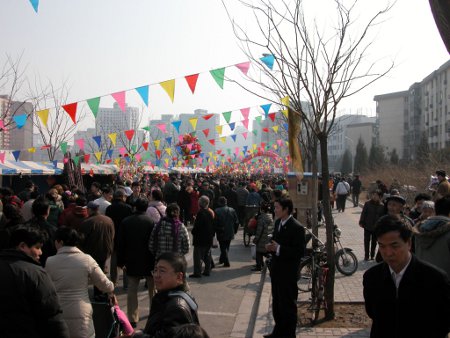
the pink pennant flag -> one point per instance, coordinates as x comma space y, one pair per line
245, 112
138, 157
65, 160
189, 146
280, 142
236, 151
80, 143
122, 151
162, 127
2, 157
245, 124
245, 135
180, 138
2, 126
243, 67
120, 99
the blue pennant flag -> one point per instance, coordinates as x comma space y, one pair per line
16, 154
233, 137
245, 149
177, 124
202, 155
268, 60
266, 108
286, 126
128, 159
35, 4
98, 140
143, 92
169, 140
158, 162
232, 125
20, 120
109, 153
55, 164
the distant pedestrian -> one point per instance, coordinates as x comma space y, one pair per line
264, 227
443, 187
342, 191
226, 223
356, 190
373, 209
404, 296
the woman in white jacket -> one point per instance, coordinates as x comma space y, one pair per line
71, 270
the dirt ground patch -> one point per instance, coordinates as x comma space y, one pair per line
347, 315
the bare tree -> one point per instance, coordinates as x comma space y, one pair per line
60, 128
312, 63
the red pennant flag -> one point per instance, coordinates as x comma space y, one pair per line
158, 153
71, 109
108, 161
192, 81
272, 116
212, 141
145, 145
207, 117
129, 134
47, 146
265, 130
219, 151
206, 132
86, 158
91, 172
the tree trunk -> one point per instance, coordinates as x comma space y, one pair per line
314, 169
329, 291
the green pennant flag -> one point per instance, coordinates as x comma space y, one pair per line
133, 147
258, 119
76, 160
227, 116
146, 128
94, 104
229, 151
193, 133
63, 147
254, 131
218, 75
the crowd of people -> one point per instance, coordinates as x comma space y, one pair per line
53, 244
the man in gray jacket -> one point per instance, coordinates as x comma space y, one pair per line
225, 224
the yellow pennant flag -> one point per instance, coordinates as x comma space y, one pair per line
219, 129
32, 150
117, 161
98, 155
275, 147
43, 115
275, 128
294, 146
223, 139
285, 103
167, 161
193, 122
215, 157
169, 87
157, 142
113, 137
254, 146
210, 154
168, 151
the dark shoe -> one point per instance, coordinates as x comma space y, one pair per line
226, 265
133, 325
205, 274
195, 276
269, 336
366, 258
256, 269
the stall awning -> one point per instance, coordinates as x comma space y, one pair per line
99, 169
29, 168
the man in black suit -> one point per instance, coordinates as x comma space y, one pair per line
287, 248
405, 296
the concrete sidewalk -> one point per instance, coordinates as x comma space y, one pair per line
347, 289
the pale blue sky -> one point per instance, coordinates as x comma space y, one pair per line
104, 46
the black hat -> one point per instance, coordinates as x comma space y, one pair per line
441, 172
397, 198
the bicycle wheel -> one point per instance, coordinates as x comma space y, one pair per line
346, 262
316, 296
247, 237
304, 275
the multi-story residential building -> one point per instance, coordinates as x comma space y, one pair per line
13, 138
421, 111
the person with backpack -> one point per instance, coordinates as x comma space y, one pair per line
156, 208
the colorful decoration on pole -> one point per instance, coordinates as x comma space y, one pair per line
189, 147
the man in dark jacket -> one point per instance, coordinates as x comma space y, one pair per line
356, 190
171, 190
29, 305
117, 211
134, 257
226, 222
405, 296
373, 209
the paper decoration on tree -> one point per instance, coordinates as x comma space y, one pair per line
266, 108
143, 92
98, 140
80, 143
158, 153
168, 151
20, 120
129, 134
218, 75
162, 127
193, 122
63, 146
87, 157
43, 116
169, 140
2, 125
268, 60
93, 104
35, 4
192, 81
207, 117
71, 110
285, 103
189, 147
46, 146
272, 116
177, 125
169, 87
156, 143
243, 67
16, 154
122, 151
120, 99
2, 157
206, 132
98, 156
76, 159
146, 128
145, 145
32, 150
275, 128
113, 138
110, 153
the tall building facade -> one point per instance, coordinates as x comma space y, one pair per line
13, 138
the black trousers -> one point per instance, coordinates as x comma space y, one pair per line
284, 306
224, 248
370, 244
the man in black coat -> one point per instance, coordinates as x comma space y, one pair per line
29, 305
134, 257
404, 296
117, 211
287, 248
